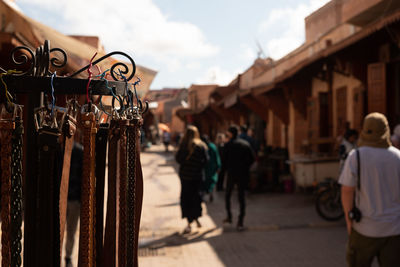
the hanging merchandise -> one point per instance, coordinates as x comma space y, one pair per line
41, 167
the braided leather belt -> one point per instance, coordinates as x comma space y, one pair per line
135, 190
7, 127
123, 185
87, 219
16, 193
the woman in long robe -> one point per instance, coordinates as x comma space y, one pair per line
192, 157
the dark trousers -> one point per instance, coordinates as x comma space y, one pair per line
220, 182
361, 250
241, 184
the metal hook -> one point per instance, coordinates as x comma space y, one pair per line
8, 72
53, 99
136, 95
89, 80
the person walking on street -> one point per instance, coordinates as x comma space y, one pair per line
238, 157
220, 143
348, 143
192, 157
166, 138
244, 134
371, 196
212, 167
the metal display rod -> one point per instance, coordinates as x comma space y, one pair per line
37, 76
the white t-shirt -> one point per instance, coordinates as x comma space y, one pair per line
379, 195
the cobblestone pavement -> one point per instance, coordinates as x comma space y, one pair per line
282, 229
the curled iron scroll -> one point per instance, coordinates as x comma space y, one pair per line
121, 66
39, 62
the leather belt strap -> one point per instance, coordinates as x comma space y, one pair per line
49, 173
68, 140
138, 188
134, 191
16, 194
131, 135
101, 151
110, 235
123, 183
6, 130
87, 219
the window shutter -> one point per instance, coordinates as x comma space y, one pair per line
377, 88
341, 110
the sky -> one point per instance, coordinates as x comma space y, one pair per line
185, 41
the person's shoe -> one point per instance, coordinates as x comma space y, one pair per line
68, 262
198, 223
187, 230
239, 225
240, 228
227, 220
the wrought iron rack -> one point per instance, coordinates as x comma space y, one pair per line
36, 80
37, 76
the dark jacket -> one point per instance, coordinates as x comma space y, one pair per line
192, 167
238, 157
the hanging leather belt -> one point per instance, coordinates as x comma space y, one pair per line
101, 150
87, 219
110, 235
55, 142
69, 130
123, 184
47, 206
7, 127
16, 193
135, 191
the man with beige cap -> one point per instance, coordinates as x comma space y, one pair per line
371, 196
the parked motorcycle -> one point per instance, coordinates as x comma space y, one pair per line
328, 202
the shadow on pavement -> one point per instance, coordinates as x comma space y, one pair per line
176, 239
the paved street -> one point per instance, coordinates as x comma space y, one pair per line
283, 230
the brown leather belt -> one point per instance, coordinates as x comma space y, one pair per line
7, 127
16, 193
123, 184
135, 190
69, 130
138, 191
101, 151
87, 219
110, 235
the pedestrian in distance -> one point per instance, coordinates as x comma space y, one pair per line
371, 196
349, 142
244, 134
220, 143
212, 167
396, 137
238, 157
192, 157
166, 138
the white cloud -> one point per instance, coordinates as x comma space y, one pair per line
285, 27
136, 26
217, 75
